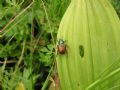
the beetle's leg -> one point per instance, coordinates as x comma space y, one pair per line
67, 49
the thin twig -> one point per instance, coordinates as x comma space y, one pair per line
48, 23
7, 62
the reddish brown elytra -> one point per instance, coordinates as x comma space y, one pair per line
61, 47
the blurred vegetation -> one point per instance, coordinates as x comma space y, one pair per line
28, 32
116, 5
27, 38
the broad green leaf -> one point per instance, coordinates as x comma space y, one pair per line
91, 30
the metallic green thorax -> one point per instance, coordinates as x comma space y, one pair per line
91, 29
61, 41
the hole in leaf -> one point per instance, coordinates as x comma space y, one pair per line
81, 51
78, 84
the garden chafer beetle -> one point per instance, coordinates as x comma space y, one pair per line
61, 47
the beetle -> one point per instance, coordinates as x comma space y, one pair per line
61, 47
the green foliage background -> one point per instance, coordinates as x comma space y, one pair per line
27, 38
28, 30
116, 5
